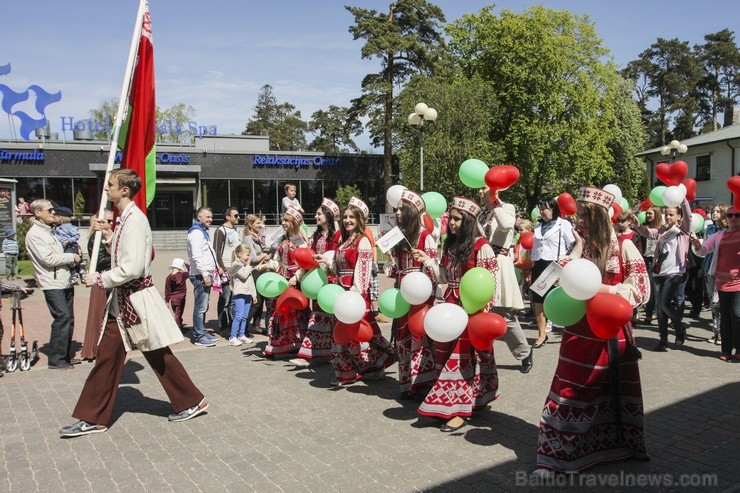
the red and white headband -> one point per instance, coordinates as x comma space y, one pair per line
414, 199
331, 205
467, 205
360, 205
596, 196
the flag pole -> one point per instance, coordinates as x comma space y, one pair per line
122, 102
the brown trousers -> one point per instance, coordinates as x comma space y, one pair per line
98, 396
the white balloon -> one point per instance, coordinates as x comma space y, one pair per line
581, 279
329, 258
682, 187
393, 195
697, 222
416, 288
445, 322
673, 196
614, 190
349, 307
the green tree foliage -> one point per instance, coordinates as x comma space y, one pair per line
671, 73
79, 207
179, 114
720, 58
407, 40
334, 129
344, 193
281, 121
461, 132
557, 104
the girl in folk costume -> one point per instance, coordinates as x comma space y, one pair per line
594, 412
353, 262
467, 378
416, 367
286, 330
318, 340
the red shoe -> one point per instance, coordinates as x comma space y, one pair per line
724, 357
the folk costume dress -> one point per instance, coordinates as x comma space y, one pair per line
318, 341
286, 330
353, 262
587, 419
416, 365
467, 379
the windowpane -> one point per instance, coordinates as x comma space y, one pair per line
311, 194
241, 195
703, 168
90, 191
59, 192
266, 200
215, 194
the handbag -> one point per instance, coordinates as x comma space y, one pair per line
157, 327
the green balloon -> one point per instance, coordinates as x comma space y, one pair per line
392, 304
656, 195
476, 289
624, 204
312, 282
327, 295
304, 228
641, 217
473, 172
535, 214
271, 284
562, 309
435, 204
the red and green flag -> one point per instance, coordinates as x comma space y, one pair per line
137, 137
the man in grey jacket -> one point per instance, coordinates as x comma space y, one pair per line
51, 270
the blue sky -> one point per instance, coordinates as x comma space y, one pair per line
215, 55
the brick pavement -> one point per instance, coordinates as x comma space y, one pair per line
271, 427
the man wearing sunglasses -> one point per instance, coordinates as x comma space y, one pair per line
51, 269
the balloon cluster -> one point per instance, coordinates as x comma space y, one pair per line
445, 322
676, 188
578, 295
474, 173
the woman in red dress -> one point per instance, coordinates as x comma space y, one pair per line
467, 378
416, 366
286, 330
593, 413
353, 263
317, 342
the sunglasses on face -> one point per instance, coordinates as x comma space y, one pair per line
730, 215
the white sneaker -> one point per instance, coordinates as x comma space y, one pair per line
245, 339
235, 342
549, 326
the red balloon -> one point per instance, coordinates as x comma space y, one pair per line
647, 204
501, 177
345, 333
364, 331
672, 174
428, 222
734, 185
484, 328
304, 258
607, 314
690, 185
701, 212
567, 204
416, 319
617, 210
291, 300
526, 239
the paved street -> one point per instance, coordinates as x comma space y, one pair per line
271, 427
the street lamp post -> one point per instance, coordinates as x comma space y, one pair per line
422, 116
673, 149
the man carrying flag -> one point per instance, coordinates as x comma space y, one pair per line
135, 312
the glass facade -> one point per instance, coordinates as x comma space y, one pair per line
62, 191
